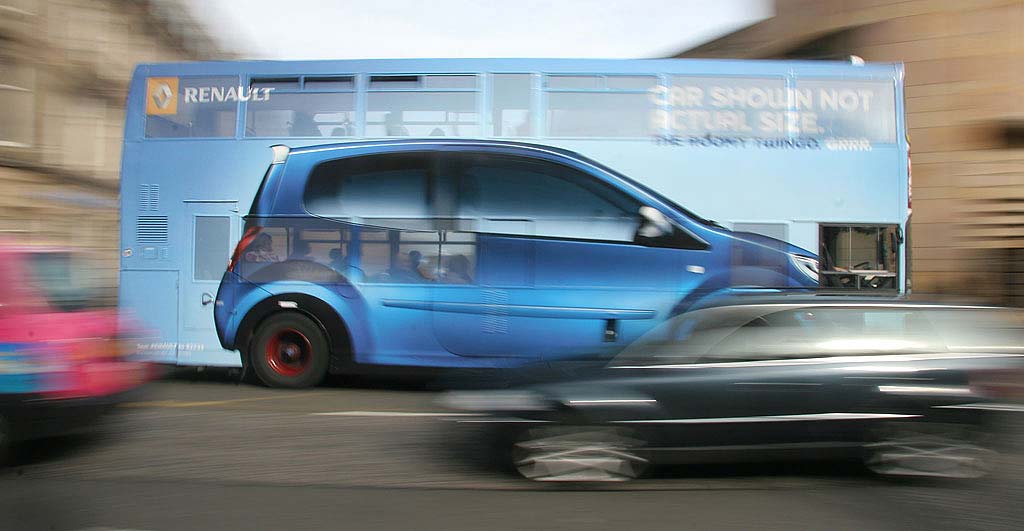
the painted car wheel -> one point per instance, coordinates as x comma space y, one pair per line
289, 353
290, 350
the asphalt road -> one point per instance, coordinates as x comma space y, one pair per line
207, 453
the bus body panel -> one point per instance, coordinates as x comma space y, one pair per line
789, 188
353, 312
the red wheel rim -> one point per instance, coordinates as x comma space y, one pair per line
289, 352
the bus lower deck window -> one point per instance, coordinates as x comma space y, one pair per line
859, 256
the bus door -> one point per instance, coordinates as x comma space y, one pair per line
213, 228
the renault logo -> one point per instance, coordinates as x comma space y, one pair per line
162, 95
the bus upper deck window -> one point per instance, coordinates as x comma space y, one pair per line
191, 107
275, 83
853, 110
329, 83
427, 105
600, 106
511, 101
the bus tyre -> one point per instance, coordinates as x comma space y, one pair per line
289, 350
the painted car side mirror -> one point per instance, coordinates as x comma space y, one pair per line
655, 223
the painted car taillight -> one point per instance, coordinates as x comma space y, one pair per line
247, 238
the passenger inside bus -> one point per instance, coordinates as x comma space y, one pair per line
338, 261
300, 251
458, 270
261, 250
303, 125
405, 269
393, 125
345, 128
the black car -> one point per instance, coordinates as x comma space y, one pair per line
913, 389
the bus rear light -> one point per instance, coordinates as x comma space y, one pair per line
247, 238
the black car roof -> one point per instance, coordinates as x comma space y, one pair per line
802, 298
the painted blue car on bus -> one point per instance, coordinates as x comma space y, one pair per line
467, 253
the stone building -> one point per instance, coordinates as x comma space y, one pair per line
964, 65
64, 71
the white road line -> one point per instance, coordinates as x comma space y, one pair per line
391, 414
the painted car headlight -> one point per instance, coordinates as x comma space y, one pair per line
806, 265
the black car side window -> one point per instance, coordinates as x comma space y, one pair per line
744, 343
825, 332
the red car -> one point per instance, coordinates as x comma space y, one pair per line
61, 365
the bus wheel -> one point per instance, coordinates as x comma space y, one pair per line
289, 350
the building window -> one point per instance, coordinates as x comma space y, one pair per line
17, 105
20, 7
81, 133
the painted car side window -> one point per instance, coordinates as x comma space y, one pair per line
384, 190
520, 196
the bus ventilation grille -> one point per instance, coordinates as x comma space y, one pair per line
149, 197
151, 229
495, 319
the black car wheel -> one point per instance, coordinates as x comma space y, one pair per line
5, 440
578, 454
930, 450
290, 350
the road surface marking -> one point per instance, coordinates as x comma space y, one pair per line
390, 414
183, 403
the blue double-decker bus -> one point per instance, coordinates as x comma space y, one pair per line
306, 217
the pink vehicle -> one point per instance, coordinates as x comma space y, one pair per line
60, 368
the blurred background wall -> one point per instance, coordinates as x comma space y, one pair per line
64, 71
964, 87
